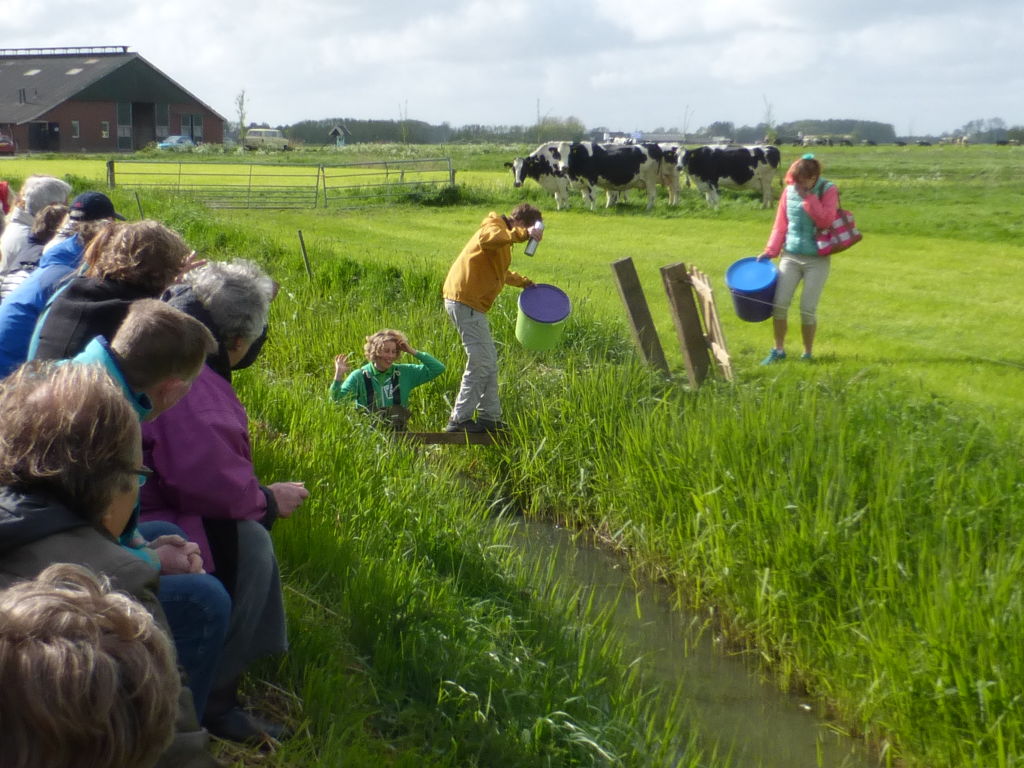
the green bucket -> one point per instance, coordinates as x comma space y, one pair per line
543, 309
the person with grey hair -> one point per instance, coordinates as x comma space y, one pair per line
35, 194
204, 482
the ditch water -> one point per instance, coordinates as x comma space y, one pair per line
760, 726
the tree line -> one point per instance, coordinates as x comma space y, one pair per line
353, 130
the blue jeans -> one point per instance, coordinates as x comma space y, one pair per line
198, 609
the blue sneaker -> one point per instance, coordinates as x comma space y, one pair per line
807, 357
774, 356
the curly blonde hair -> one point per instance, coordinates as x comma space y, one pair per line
145, 254
376, 341
88, 677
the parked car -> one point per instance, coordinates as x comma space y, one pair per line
6, 145
177, 144
265, 138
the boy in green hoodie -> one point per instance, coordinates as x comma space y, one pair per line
382, 386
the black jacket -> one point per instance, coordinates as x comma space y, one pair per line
87, 308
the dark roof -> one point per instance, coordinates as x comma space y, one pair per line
34, 81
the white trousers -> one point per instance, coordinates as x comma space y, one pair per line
479, 390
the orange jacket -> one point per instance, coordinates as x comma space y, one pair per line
481, 270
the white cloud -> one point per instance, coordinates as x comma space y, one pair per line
642, 64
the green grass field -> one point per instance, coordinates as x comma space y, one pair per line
855, 523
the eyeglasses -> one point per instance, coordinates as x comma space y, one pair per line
143, 473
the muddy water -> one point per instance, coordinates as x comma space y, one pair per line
757, 724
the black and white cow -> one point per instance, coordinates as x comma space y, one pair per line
668, 173
542, 165
611, 167
752, 167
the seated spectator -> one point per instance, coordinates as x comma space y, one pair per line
130, 261
90, 213
7, 200
87, 676
45, 227
382, 386
154, 357
70, 469
35, 194
204, 481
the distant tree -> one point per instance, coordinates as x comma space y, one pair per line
240, 110
723, 129
1016, 133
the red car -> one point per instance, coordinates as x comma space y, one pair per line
6, 145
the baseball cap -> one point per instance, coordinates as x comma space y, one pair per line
92, 206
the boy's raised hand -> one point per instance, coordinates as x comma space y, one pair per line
341, 367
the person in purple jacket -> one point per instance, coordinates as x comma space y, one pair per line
204, 482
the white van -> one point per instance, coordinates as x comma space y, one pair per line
265, 138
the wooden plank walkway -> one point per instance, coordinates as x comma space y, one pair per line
450, 438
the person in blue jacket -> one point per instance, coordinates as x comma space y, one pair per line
90, 213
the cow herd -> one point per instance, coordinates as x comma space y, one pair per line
562, 166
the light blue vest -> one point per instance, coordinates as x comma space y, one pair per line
800, 233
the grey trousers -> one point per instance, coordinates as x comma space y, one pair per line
479, 390
793, 268
257, 626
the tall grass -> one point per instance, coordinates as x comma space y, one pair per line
418, 635
854, 523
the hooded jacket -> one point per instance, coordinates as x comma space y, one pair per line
481, 270
37, 531
88, 307
21, 310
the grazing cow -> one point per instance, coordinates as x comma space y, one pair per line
542, 166
668, 173
740, 167
611, 167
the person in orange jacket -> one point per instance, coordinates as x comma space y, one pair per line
473, 283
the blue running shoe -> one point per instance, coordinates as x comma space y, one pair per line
775, 356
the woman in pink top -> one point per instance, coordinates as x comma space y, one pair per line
809, 203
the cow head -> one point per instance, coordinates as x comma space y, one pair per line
517, 171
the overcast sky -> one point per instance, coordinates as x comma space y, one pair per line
925, 66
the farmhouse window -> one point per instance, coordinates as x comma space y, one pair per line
104, 129
75, 133
163, 121
124, 125
192, 126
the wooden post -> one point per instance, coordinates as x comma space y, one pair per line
644, 333
687, 321
110, 174
305, 257
138, 202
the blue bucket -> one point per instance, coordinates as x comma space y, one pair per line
752, 285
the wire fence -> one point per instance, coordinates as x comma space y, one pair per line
255, 185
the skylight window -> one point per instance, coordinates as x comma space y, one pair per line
31, 72
73, 71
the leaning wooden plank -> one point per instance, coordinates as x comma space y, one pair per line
644, 333
692, 341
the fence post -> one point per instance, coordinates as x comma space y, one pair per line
687, 321
305, 257
110, 174
640, 322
